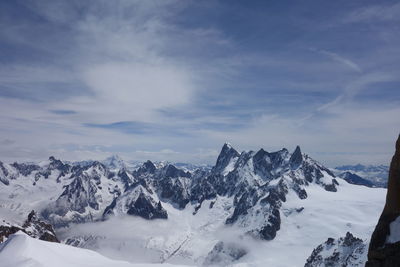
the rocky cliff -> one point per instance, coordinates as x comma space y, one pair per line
384, 249
33, 226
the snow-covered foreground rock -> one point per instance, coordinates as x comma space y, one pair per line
32, 226
20, 250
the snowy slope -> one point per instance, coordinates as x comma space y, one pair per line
21, 250
31, 191
187, 239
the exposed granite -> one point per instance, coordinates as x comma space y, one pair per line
381, 253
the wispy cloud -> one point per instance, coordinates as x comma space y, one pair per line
143, 78
378, 12
62, 111
340, 59
357, 86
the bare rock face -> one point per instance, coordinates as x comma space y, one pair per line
6, 229
381, 251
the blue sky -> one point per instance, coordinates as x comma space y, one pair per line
174, 80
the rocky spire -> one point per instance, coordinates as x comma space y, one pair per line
296, 159
227, 153
31, 217
381, 253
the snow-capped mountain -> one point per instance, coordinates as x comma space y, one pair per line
355, 179
114, 162
376, 174
252, 195
345, 251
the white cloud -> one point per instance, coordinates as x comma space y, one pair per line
136, 89
125, 60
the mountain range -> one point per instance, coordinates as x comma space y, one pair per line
201, 213
368, 175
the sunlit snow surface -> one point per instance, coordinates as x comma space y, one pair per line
186, 238
21, 250
394, 231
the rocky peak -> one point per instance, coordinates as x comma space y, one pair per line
269, 165
31, 217
226, 155
114, 162
172, 172
98, 164
260, 154
345, 251
146, 208
296, 159
147, 167
56, 164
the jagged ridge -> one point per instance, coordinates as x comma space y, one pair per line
256, 182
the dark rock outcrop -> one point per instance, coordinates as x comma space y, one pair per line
147, 168
174, 190
268, 232
296, 159
37, 228
352, 178
170, 171
7, 229
33, 227
25, 168
137, 201
145, 208
380, 252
